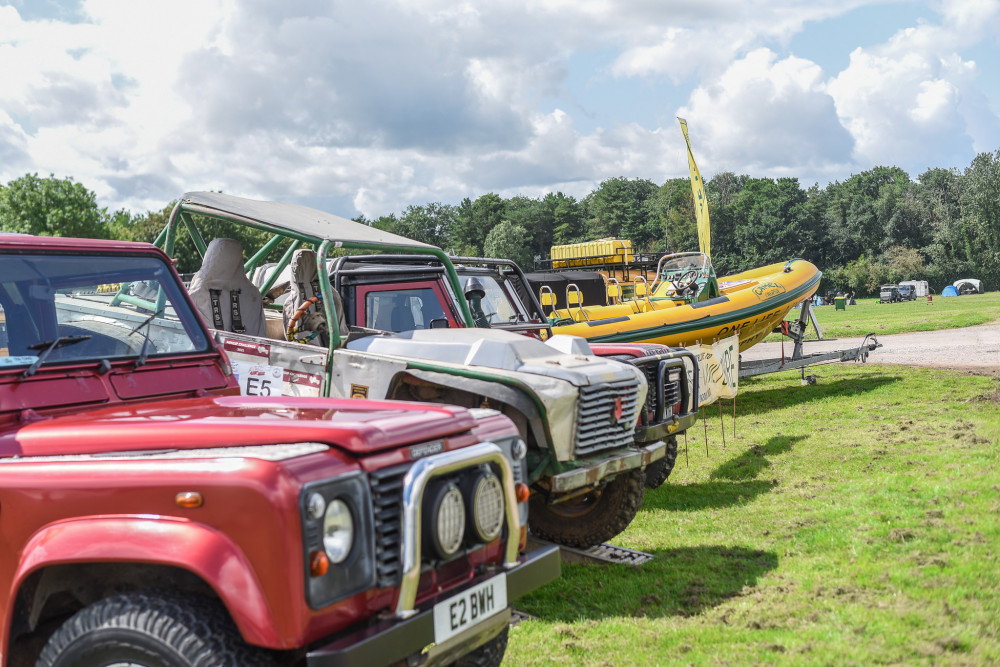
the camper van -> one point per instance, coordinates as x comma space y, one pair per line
920, 287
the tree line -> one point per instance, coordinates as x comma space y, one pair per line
875, 227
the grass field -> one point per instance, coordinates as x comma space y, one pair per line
855, 521
869, 316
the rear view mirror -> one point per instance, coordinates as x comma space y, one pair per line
440, 323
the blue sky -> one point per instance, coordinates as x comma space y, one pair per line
371, 107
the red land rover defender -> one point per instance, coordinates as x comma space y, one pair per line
150, 515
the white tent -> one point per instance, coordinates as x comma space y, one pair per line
968, 283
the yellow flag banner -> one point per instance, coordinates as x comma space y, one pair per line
700, 202
718, 370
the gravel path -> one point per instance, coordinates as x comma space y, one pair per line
971, 348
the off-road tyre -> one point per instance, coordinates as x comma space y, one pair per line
657, 472
590, 519
489, 654
151, 630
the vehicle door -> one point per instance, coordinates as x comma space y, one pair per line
403, 307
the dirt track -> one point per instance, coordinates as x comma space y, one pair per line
972, 348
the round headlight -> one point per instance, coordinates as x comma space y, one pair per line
487, 507
449, 521
338, 531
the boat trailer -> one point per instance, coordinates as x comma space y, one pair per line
796, 330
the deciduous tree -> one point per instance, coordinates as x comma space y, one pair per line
50, 207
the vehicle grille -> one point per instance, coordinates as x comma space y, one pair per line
671, 394
671, 390
596, 426
387, 503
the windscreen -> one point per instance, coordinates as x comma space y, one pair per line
89, 308
499, 307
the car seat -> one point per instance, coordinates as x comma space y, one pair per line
223, 295
302, 287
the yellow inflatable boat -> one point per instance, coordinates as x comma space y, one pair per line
686, 304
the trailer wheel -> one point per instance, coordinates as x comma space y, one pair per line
657, 472
148, 629
592, 518
489, 654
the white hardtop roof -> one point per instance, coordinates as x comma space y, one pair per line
298, 221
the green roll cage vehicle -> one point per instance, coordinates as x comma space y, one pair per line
576, 412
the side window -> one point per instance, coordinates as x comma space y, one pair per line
429, 309
378, 310
402, 310
417, 312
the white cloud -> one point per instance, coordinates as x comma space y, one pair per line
767, 116
373, 106
933, 101
913, 101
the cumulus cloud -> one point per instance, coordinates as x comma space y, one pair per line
768, 116
369, 107
13, 145
913, 101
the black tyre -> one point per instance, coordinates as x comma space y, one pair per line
146, 629
590, 519
657, 472
489, 654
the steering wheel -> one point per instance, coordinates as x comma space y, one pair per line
685, 281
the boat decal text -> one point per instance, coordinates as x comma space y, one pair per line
769, 290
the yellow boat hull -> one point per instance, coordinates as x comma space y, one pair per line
752, 303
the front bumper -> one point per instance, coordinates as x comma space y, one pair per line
389, 641
678, 424
664, 426
589, 475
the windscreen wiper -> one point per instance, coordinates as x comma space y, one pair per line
49, 345
141, 360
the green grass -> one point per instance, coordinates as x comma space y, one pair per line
855, 521
869, 316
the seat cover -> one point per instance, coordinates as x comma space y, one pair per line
304, 285
221, 280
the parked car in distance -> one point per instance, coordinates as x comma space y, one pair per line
889, 294
154, 516
907, 292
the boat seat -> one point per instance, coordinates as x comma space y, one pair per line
223, 294
574, 298
547, 299
641, 295
614, 292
